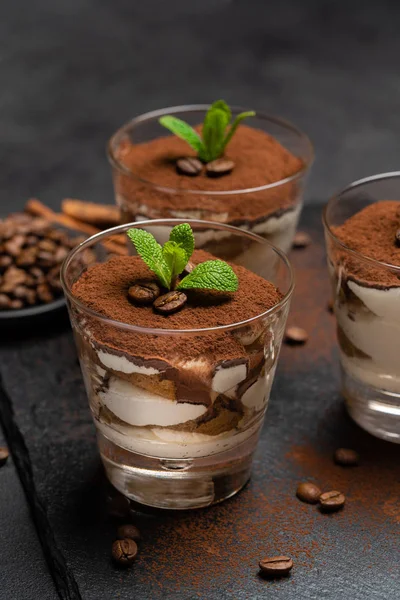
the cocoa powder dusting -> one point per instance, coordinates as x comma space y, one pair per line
371, 232
259, 160
104, 289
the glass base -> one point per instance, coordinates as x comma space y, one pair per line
375, 410
178, 483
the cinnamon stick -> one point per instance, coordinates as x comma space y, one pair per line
100, 215
38, 209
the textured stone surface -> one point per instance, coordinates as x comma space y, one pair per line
214, 553
73, 71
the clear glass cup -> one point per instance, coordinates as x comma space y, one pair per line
156, 450
139, 199
368, 317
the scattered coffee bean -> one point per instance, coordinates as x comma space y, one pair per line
296, 335
398, 237
332, 501
143, 292
5, 262
189, 166
124, 552
4, 302
346, 457
276, 566
219, 167
301, 240
308, 492
170, 302
130, 532
118, 506
4, 454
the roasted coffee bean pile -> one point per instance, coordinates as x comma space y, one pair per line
31, 253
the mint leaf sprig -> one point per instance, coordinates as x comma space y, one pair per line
169, 261
215, 136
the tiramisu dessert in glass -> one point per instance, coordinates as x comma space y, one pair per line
178, 351
203, 162
362, 228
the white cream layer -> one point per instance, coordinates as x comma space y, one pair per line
376, 333
140, 407
278, 230
164, 443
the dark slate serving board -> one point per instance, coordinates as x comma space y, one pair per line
211, 553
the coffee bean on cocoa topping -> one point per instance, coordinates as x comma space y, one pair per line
44, 293
219, 167
189, 166
346, 457
5, 262
124, 552
276, 566
4, 454
170, 302
143, 292
4, 302
332, 501
308, 492
296, 335
301, 240
397, 238
128, 532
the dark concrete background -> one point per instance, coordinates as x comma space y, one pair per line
72, 71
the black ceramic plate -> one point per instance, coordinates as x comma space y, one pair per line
32, 313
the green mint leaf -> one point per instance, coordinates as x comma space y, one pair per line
175, 257
234, 126
183, 131
222, 105
214, 126
151, 252
211, 275
183, 236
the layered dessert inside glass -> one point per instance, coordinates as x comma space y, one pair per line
180, 396
261, 193
367, 303
178, 357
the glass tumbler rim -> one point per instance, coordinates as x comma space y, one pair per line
98, 237
154, 114
337, 196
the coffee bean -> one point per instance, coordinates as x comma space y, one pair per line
124, 552
130, 532
5, 262
118, 506
170, 302
188, 269
44, 293
31, 240
12, 278
301, 240
219, 167
296, 335
47, 245
332, 501
397, 238
14, 245
346, 457
143, 292
16, 304
45, 259
4, 454
189, 166
4, 302
276, 566
308, 492
27, 257
60, 253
